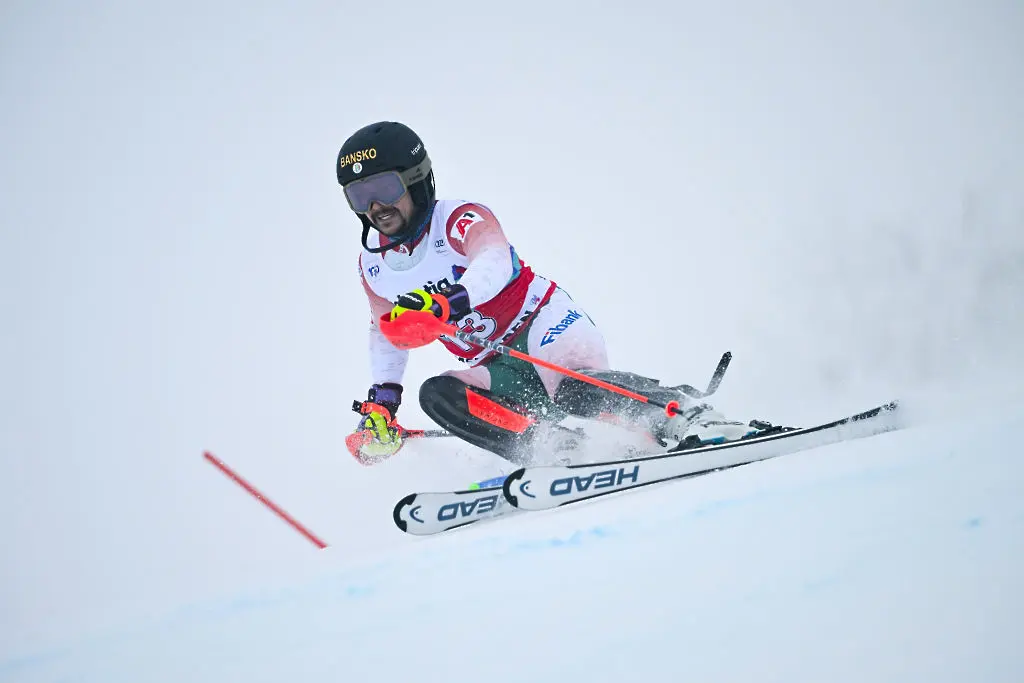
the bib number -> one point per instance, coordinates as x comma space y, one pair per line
475, 324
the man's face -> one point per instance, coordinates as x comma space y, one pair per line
391, 220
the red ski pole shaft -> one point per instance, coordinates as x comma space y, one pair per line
671, 408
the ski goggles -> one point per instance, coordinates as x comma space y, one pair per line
386, 187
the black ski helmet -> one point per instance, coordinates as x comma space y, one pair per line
390, 146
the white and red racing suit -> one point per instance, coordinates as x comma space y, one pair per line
464, 243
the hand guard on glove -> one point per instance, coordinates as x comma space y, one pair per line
419, 317
377, 435
449, 305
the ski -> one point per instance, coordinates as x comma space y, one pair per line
545, 487
424, 514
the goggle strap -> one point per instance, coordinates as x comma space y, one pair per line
417, 173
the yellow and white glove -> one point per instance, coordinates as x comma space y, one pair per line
378, 435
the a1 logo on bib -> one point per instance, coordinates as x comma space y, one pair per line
461, 225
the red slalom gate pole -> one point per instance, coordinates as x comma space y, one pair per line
234, 476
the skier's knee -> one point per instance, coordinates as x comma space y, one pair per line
476, 415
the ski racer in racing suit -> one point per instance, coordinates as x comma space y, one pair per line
452, 258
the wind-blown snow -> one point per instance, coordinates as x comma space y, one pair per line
897, 557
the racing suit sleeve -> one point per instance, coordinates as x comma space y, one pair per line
474, 232
387, 363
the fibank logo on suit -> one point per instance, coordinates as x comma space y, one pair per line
552, 333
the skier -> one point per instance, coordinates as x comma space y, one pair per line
451, 258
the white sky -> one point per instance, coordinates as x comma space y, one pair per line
834, 191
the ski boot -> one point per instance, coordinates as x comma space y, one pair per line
710, 429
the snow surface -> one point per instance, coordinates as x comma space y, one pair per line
894, 558
832, 191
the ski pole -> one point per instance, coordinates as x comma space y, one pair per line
411, 433
671, 408
424, 433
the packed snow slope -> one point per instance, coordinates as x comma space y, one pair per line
894, 558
